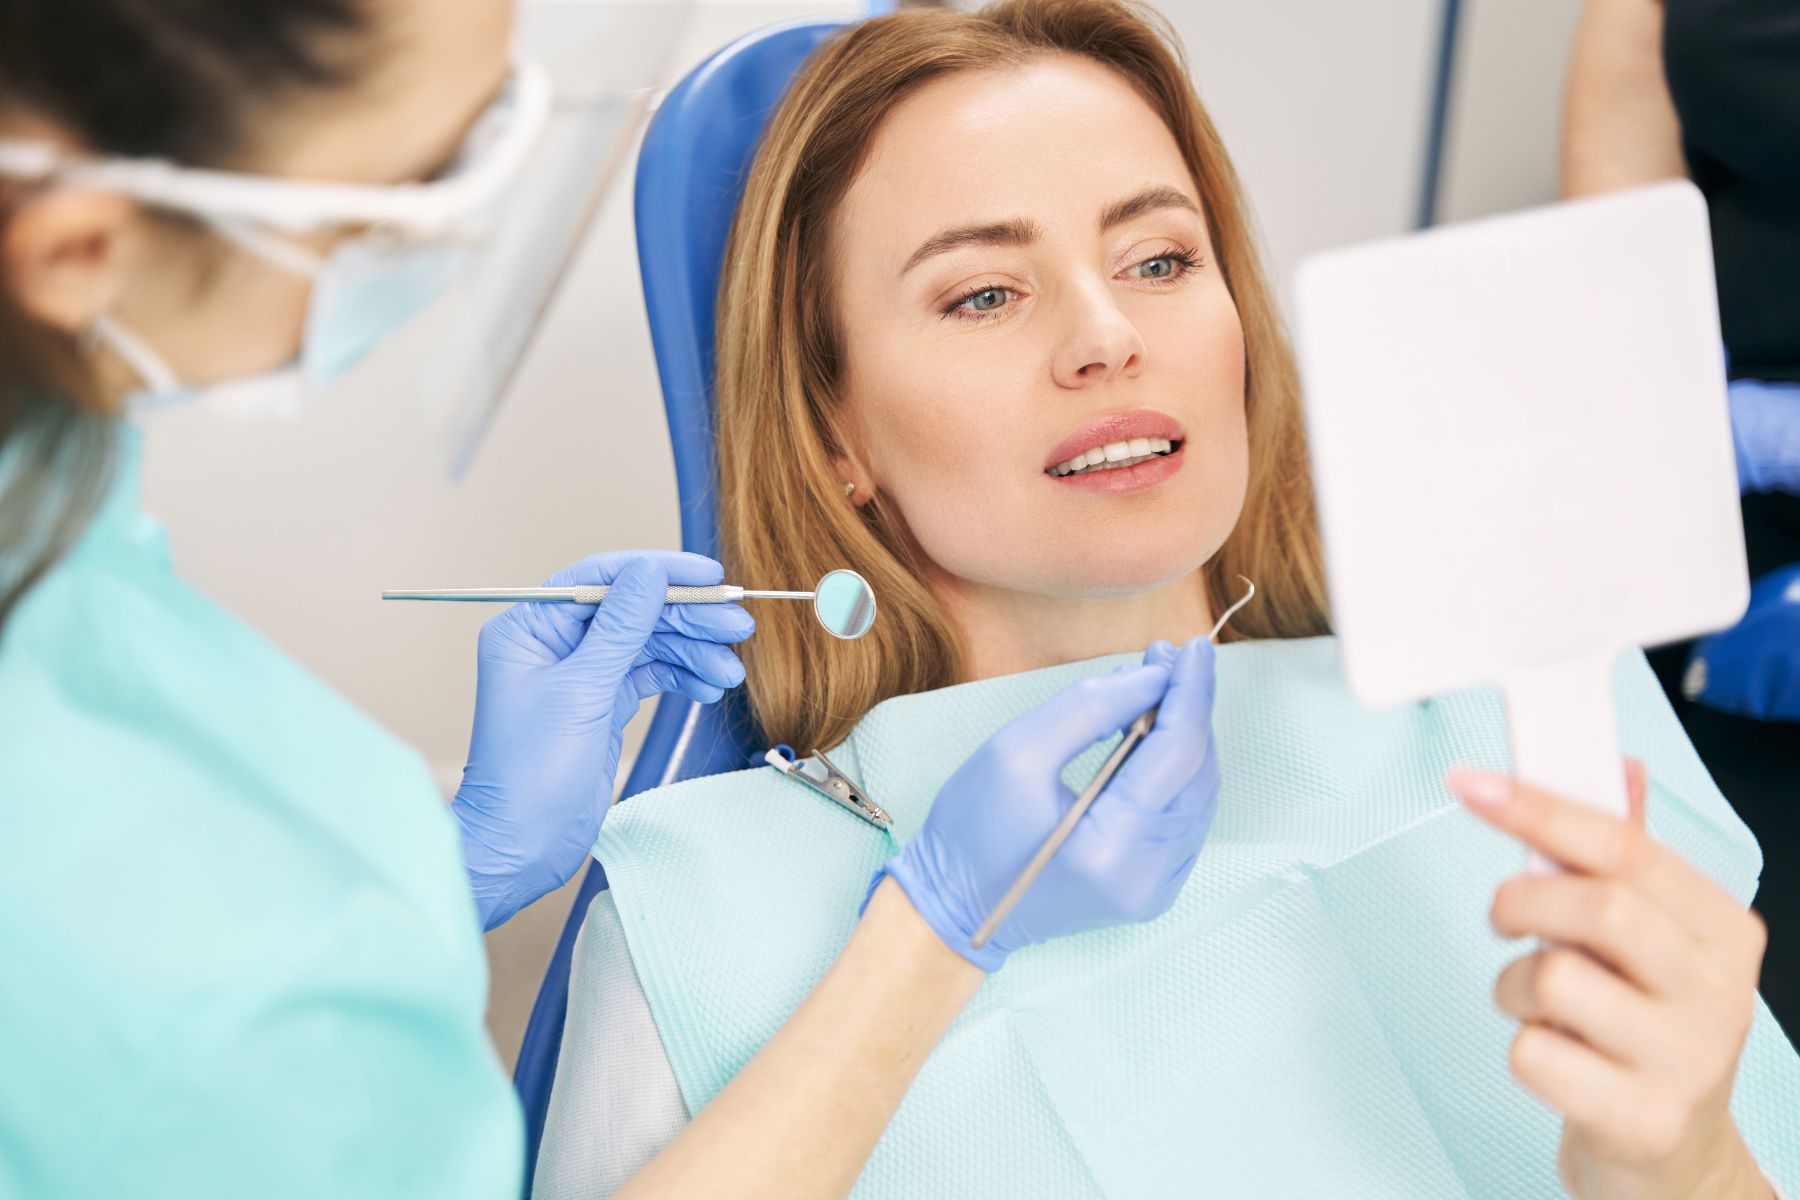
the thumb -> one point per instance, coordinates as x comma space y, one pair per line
624, 621
1086, 711
1180, 742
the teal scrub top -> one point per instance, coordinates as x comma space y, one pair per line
238, 955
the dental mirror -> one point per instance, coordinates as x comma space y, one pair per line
843, 600
844, 604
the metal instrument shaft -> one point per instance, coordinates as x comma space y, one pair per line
718, 593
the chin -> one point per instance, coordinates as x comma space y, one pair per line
1125, 567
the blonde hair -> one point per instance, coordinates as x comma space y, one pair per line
783, 513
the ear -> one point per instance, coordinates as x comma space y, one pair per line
850, 462
59, 255
848, 473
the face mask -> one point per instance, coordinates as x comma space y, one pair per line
362, 292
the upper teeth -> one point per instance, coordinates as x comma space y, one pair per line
1114, 455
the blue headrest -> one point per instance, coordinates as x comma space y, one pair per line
690, 173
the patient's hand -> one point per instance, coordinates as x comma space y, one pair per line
1636, 1008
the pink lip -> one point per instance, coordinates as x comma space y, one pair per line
1116, 427
1121, 480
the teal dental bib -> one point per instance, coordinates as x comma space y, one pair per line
1311, 1019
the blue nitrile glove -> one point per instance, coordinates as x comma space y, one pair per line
1753, 668
1765, 431
555, 687
1126, 858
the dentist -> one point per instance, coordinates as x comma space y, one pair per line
240, 958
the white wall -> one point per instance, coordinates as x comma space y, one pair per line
1323, 108
1506, 106
297, 528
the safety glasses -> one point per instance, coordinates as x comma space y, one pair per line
491, 159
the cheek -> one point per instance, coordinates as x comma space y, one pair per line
937, 448
1203, 345
1215, 368
940, 440
1207, 357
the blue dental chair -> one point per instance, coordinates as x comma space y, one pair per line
690, 173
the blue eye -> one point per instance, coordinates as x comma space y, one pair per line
981, 302
1167, 266
987, 300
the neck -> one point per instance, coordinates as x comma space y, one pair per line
1005, 632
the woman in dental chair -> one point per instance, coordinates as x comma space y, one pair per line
992, 332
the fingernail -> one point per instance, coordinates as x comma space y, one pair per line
1478, 787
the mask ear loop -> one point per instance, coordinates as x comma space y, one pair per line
157, 378
278, 252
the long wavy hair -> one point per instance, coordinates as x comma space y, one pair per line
780, 412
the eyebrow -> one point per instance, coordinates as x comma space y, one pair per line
1147, 201
1017, 231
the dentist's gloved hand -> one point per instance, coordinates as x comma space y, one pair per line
1753, 668
1126, 859
1765, 431
556, 685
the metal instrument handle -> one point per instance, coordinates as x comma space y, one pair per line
717, 593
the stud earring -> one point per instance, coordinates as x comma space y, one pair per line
849, 489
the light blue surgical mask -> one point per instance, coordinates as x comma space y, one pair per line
363, 291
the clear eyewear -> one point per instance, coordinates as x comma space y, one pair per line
491, 158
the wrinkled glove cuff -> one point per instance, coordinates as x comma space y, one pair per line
496, 895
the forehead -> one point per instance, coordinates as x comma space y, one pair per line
431, 66
1055, 139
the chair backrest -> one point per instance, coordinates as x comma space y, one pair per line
689, 176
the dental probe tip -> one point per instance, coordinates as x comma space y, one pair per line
1242, 600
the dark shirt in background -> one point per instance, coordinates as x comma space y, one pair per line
1733, 68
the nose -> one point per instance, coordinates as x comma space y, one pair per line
1101, 345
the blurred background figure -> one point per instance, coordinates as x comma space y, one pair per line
1710, 89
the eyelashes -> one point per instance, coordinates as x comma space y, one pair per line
1183, 260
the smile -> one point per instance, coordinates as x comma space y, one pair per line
1115, 456
1120, 452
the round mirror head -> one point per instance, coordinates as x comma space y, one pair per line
845, 604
